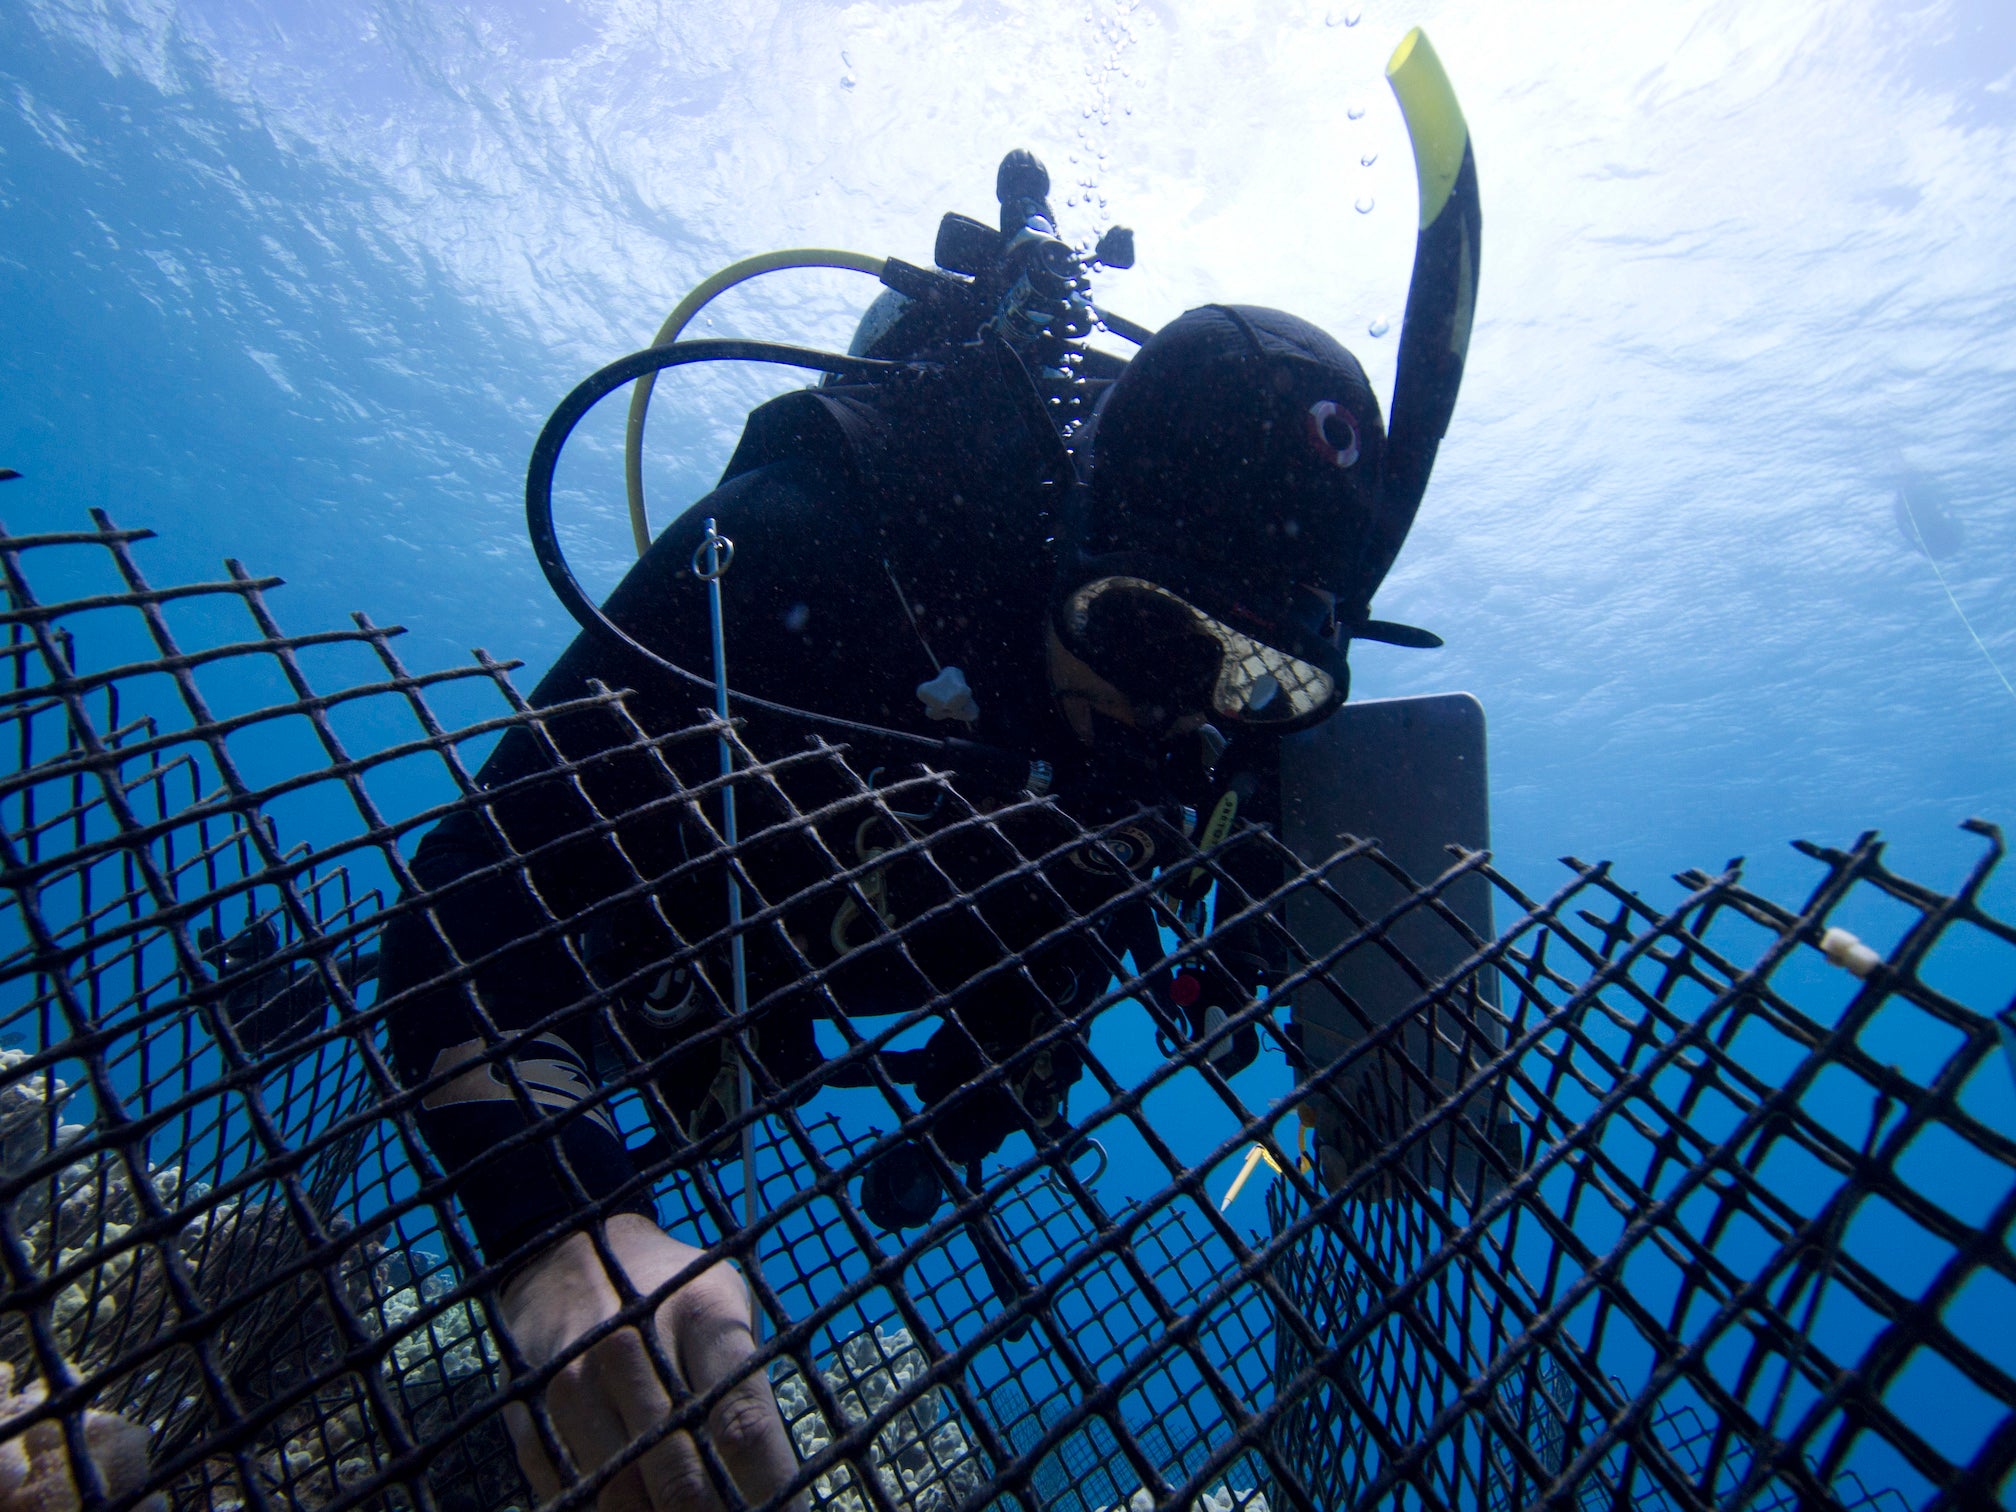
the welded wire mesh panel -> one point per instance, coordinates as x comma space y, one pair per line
1752, 1248
1688, 1206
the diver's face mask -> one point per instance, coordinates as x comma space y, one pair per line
1180, 666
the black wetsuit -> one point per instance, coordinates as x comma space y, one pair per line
841, 505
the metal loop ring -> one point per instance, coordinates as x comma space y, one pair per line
1056, 1179
713, 539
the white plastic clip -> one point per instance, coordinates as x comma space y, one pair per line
1849, 953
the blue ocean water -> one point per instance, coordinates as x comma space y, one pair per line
1721, 534
298, 282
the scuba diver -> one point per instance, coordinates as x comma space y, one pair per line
994, 563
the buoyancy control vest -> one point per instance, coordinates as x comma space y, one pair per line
940, 455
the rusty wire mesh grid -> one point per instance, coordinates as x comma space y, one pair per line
1698, 1219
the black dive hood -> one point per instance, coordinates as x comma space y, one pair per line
1243, 439
1240, 463
1235, 466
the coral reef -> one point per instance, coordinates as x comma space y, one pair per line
35, 1470
921, 1458
437, 1366
1224, 1499
273, 1338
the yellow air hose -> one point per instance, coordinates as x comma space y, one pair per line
677, 321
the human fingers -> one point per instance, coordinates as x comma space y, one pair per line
532, 1457
674, 1477
624, 1493
587, 1415
713, 1337
703, 1326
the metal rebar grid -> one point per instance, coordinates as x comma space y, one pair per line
1680, 1207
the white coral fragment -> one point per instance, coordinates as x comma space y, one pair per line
1224, 1499
455, 1343
35, 1472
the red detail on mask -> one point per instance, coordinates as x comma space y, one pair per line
1186, 989
1332, 432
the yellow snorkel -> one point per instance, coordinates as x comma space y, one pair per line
1441, 295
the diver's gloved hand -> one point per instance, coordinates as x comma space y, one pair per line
1209, 998
286, 1003
1032, 1098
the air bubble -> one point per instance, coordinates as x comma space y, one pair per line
1355, 112
1364, 204
846, 81
1378, 328
1368, 159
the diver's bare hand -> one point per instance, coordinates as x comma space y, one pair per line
604, 1398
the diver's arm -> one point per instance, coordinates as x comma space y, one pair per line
524, 931
1441, 297
530, 1198
449, 1037
1248, 952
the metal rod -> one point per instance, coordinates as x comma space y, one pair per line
720, 552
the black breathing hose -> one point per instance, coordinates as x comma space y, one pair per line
955, 752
